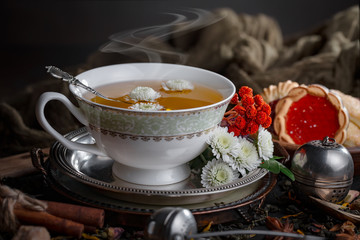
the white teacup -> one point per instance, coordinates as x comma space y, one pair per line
148, 147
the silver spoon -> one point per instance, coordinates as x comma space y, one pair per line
58, 73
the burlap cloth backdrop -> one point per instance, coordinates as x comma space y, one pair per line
249, 50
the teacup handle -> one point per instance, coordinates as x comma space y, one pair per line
40, 107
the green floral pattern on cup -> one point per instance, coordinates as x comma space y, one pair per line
152, 124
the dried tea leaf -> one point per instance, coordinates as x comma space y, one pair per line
355, 205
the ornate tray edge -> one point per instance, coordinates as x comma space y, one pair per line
68, 170
210, 213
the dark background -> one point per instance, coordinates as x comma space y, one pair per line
63, 33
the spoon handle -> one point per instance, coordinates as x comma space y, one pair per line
58, 73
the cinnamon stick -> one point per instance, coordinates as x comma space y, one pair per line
82, 214
18, 165
63, 217
51, 222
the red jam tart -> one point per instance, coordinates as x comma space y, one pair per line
310, 113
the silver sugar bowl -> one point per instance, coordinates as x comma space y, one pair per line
322, 169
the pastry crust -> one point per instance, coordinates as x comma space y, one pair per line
273, 92
352, 105
299, 92
353, 136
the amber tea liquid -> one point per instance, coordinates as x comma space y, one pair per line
171, 100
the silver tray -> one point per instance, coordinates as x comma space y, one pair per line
238, 205
96, 172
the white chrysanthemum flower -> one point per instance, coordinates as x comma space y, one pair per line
222, 143
177, 85
147, 106
216, 173
245, 157
144, 94
265, 144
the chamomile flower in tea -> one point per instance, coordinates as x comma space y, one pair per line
144, 94
177, 85
147, 106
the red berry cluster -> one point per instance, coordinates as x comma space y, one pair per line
248, 113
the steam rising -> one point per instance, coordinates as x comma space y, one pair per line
143, 40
